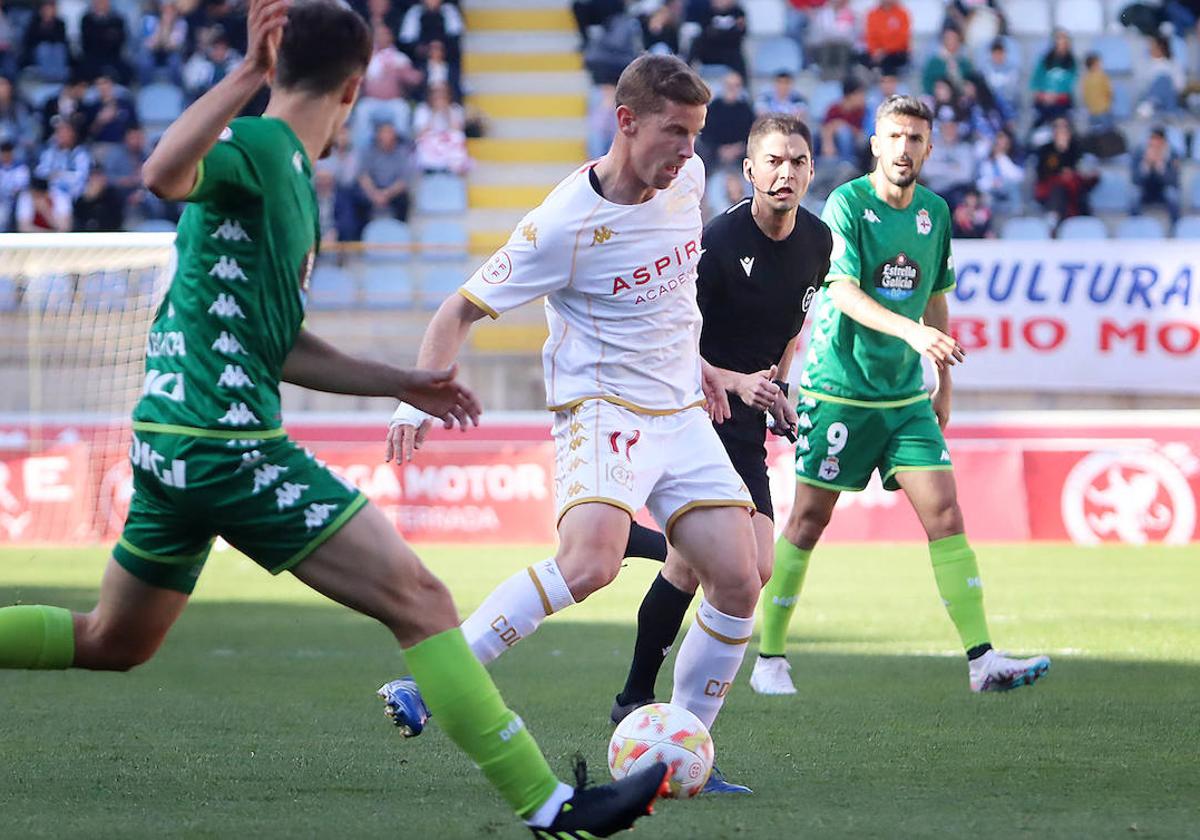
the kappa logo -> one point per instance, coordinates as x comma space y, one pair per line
529, 233
297, 162
317, 514
266, 475
226, 306
163, 384
747, 264
945, 456
924, 223
231, 230
577, 442
602, 234
228, 345
234, 377
227, 268
576, 463
239, 414
287, 494
870, 216
575, 428
575, 489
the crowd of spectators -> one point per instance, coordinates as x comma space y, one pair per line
1020, 127
72, 140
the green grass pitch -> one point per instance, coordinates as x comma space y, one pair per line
258, 716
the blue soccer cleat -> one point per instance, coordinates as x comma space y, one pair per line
404, 705
717, 783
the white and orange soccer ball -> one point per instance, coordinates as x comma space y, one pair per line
662, 732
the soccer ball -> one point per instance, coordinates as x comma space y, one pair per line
662, 732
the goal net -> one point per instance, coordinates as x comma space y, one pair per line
74, 313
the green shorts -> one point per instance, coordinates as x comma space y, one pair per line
270, 499
840, 445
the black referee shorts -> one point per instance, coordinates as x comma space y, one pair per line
748, 452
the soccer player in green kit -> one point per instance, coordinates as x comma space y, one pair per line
209, 455
863, 406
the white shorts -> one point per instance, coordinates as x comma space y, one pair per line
669, 463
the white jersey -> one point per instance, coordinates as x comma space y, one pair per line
620, 287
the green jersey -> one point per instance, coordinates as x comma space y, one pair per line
244, 252
899, 258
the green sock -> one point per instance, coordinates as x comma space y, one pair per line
463, 699
961, 589
36, 637
780, 595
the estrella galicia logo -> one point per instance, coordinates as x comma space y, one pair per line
897, 278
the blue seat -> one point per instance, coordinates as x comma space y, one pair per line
159, 104
51, 62
331, 287
105, 291
1140, 227
444, 240
771, 55
1082, 227
1122, 103
54, 292
8, 294
155, 226
439, 281
1026, 227
823, 95
388, 286
387, 240
441, 193
1113, 193
1116, 53
1188, 228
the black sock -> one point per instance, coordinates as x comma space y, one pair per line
646, 542
978, 651
659, 619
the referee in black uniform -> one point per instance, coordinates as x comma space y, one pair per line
764, 259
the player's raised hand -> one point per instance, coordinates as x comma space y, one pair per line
935, 345
438, 393
264, 28
758, 390
403, 439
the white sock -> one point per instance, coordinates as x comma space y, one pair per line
549, 809
708, 660
515, 609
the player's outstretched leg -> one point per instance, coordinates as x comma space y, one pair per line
934, 498
367, 567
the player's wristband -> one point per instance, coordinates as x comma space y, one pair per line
782, 385
407, 415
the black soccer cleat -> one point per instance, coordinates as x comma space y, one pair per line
620, 710
608, 809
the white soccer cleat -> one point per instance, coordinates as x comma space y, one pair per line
770, 676
996, 672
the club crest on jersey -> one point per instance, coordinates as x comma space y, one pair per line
829, 469
897, 278
924, 223
498, 269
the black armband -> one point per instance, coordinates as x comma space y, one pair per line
783, 386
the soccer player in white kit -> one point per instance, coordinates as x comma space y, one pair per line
614, 250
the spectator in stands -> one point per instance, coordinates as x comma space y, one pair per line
16, 120
1053, 81
123, 168
100, 207
735, 188
972, 219
1184, 15
833, 37
385, 170
209, 64
1162, 80
660, 28
1061, 188
41, 208
979, 21
728, 124
1003, 78
164, 36
67, 105
602, 121
439, 126
1097, 93
612, 50
437, 70
45, 47
102, 42
390, 74
950, 62
782, 98
1156, 176
722, 31
342, 164
226, 17
111, 114
982, 119
946, 103
325, 186
8, 46
842, 130
1000, 179
589, 13
950, 168
14, 177
386, 12
432, 20
64, 163
889, 37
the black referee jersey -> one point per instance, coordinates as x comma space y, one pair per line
753, 294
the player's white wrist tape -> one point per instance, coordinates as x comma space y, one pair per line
408, 415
